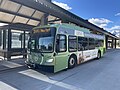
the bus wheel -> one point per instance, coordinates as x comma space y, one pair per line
98, 55
71, 62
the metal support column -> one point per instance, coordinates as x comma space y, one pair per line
44, 19
115, 42
9, 44
24, 52
4, 39
4, 43
106, 42
112, 44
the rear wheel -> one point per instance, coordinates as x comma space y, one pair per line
99, 55
71, 62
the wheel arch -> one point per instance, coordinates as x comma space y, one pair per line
99, 51
73, 55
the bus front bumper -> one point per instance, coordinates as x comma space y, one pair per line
45, 68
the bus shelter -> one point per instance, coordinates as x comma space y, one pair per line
20, 19
13, 40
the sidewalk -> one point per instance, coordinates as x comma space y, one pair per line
15, 63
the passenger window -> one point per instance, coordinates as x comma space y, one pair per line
99, 43
91, 43
61, 45
80, 43
83, 43
72, 43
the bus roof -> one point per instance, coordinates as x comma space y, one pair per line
73, 27
70, 26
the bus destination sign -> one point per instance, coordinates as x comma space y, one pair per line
41, 31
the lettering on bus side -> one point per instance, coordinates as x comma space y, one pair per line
79, 33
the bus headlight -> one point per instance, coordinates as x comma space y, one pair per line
49, 60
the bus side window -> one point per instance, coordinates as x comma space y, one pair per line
80, 44
61, 45
91, 43
72, 40
85, 43
99, 43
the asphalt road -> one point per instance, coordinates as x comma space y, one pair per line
103, 74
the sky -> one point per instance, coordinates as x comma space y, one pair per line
103, 13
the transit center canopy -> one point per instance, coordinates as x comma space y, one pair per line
32, 12
11, 12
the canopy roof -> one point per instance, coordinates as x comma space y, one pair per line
30, 12
12, 12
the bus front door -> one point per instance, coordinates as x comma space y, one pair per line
61, 61
61, 57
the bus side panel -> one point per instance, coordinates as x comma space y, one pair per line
90, 54
61, 61
102, 49
80, 58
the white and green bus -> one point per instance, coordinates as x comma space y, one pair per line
61, 46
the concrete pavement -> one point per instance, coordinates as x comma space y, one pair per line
103, 74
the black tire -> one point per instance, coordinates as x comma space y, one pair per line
71, 62
99, 55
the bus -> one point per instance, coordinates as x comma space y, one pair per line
57, 47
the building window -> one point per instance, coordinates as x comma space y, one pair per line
17, 39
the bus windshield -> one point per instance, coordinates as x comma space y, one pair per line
42, 40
